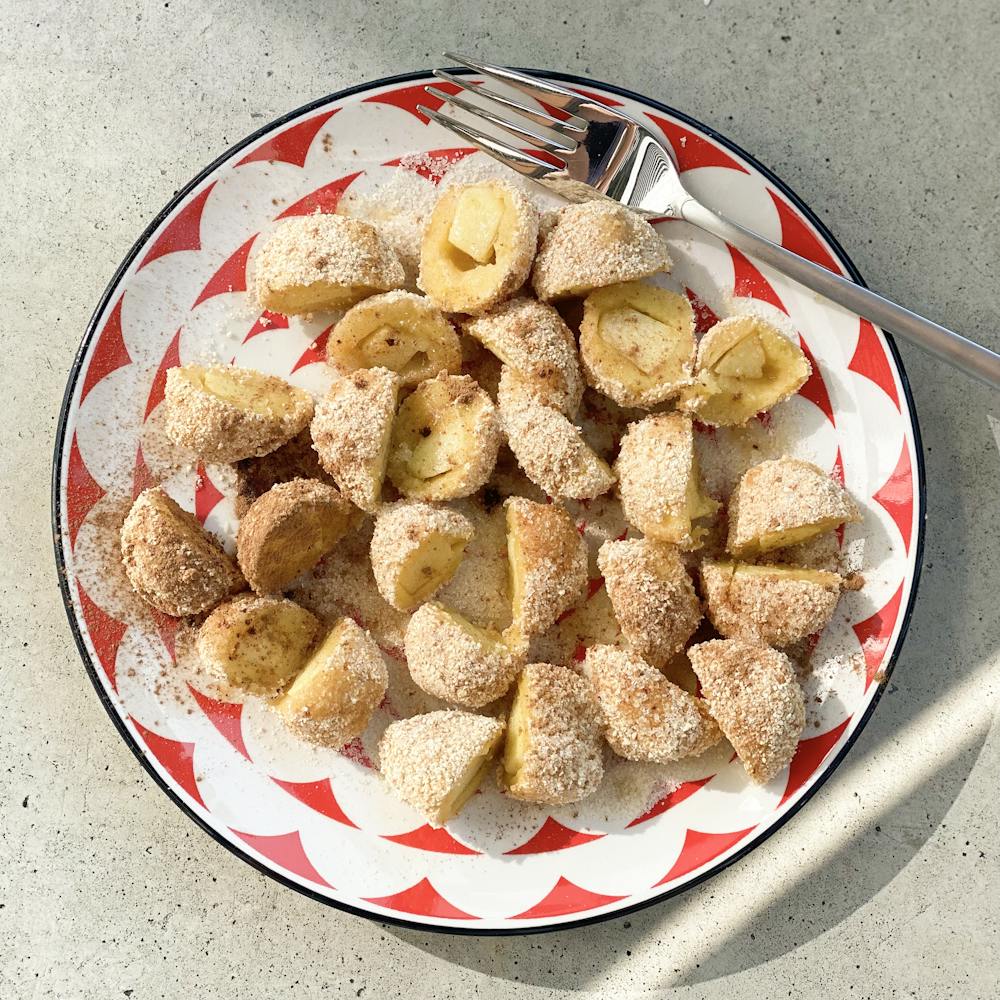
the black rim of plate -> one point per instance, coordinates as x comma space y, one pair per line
175, 797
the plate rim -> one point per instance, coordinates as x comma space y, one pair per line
64, 584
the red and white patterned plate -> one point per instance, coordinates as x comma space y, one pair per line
321, 822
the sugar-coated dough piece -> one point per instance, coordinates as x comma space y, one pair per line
532, 338
548, 563
318, 263
652, 595
753, 694
478, 246
224, 414
782, 502
257, 643
296, 459
593, 244
416, 548
646, 717
171, 561
457, 661
352, 430
553, 753
287, 531
548, 446
659, 481
444, 440
637, 343
341, 684
436, 762
778, 605
398, 330
744, 366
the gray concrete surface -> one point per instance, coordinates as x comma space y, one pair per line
883, 115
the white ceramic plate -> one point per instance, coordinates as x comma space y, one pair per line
321, 822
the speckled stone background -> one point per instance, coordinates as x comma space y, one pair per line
883, 115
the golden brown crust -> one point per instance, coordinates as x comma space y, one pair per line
458, 283
553, 753
548, 563
777, 605
782, 502
257, 643
533, 339
171, 561
646, 717
435, 762
287, 531
352, 429
398, 330
223, 414
297, 459
652, 595
753, 694
334, 697
593, 244
315, 263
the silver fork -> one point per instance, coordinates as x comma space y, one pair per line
605, 154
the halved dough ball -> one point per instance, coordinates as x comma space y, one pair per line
652, 595
593, 244
637, 343
436, 762
171, 561
287, 531
478, 246
744, 366
659, 481
457, 661
398, 330
548, 563
646, 717
753, 694
533, 339
318, 263
444, 440
548, 446
296, 459
416, 549
223, 413
553, 753
783, 502
342, 683
257, 643
778, 605
352, 430
822, 552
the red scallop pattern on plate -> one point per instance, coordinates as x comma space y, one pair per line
323, 822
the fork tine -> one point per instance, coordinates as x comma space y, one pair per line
568, 128
554, 146
540, 90
523, 163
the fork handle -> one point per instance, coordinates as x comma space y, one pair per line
961, 353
